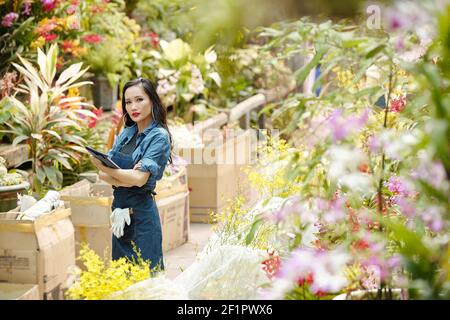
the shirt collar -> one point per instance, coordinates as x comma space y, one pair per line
133, 129
152, 124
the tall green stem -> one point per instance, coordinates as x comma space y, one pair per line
383, 157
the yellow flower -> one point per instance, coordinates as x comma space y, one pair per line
43, 22
74, 92
101, 279
79, 51
38, 43
71, 22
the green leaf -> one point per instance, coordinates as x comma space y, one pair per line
19, 139
19, 105
42, 62
40, 173
350, 43
74, 139
433, 192
251, 235
79, 149
52, 56
50, 172
60, 157
68, 73
31, 73
53, 133
300, 75
411, 242
367, 92
363, 69
373, 52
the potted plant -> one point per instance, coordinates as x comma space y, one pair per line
105, 61
49, 121
10, 184
186, 79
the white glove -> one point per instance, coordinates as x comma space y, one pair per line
118, 219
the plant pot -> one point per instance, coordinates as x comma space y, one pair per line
103, 94
8, 195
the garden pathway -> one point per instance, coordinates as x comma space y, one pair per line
178, 259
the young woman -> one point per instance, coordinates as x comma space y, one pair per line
142, 151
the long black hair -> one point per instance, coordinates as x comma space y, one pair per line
159, 112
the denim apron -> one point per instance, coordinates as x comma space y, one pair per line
145, 227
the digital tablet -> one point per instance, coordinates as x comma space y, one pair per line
104, 158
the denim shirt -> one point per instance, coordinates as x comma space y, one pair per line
152, 148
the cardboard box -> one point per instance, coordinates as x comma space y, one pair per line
18, 291
91, 210
215, 171
174, 214
38, 252
171, 185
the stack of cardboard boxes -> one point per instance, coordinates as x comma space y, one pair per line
40, 252
16, 291
216, 170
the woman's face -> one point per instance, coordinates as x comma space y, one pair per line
138, 104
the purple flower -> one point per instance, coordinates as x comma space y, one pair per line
398, 187
342, 127
339, 131
436, 225
395, 22
374, 144
9, 19
433, 219
407, 208
333, 211
376, 263
290, 206
433, 174
394, 261
399, 44
26, 8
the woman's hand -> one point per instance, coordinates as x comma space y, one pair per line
100, 166
137, 166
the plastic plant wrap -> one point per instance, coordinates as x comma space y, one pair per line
228, 272
159, 288
25, 202
44, 206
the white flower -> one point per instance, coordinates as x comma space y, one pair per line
197, 84
184, 138
210, 55
357, 182
164, 73
343, 161
398, 146
326, 268
216, 77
